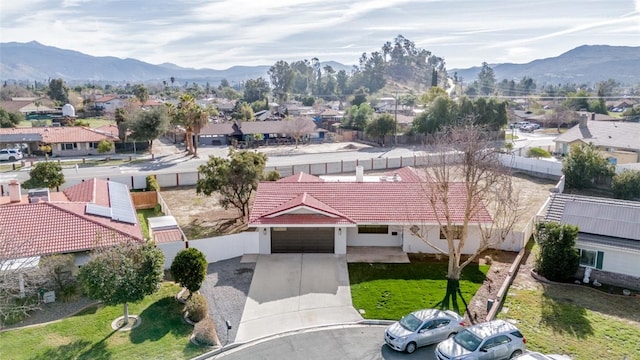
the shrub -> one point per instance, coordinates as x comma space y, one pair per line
626, 185
272, 175
205, 332
189, 268
538, 153
197, 307
152, 183
558, 259
105, 146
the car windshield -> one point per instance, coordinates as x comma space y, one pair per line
410, 322
467, 340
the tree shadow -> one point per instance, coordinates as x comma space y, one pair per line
565, 317
159, 319
79, 349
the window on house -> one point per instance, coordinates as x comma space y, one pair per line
373, 229
591, 258
69, 146
93, 145
456, 230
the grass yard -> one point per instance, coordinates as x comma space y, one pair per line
556, 321
390, 291
88, 335
143, 215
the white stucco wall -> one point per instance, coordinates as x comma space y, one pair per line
413, 244
264, 240
227, 247
355, 239
615, 260
340, 242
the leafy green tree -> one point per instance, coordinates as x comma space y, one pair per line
584, 165
58, 91
10, 119
235, 178
152, 183
577, 100
189, 269
440, 113
122, 274
45, 174
149, 125
431, 94
121, 118
255, 89
243, 112
360, 96
626, 185
486, 80
381, 126
357, 117
281, 75
105, 146
141, 92
558, 259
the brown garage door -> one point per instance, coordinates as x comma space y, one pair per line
302, 240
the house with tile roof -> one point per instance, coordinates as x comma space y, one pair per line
27, 106
608, 238
617, 141
269, 131
64, 141
305, 213
91, 214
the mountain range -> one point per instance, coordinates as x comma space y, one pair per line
34, 61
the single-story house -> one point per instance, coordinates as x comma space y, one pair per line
608, 238
266, 131
27, 106
82, 217
306, 213
64, 141
617, 141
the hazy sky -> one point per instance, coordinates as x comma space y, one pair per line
222, 33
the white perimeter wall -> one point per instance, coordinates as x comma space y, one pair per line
215, 248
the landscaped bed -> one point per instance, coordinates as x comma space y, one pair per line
390, 291
88, 335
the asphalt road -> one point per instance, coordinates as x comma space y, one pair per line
340, 343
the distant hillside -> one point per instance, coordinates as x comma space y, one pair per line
585, 64
34, 61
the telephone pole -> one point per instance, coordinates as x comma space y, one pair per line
395, 129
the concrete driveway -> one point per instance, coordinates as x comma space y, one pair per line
296, 291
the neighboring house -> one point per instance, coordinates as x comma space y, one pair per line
268, 131
305, 213
617, 141
28, 106
109, 103
608, 238
64, 141
84, 216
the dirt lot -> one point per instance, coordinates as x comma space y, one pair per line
200, 216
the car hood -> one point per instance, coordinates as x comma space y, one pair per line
451, 349
398, 330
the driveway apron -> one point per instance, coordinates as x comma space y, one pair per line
296, 291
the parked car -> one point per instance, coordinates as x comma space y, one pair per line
492, 340
539, 356
421, 328
10, 154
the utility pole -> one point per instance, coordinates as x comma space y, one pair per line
395, 129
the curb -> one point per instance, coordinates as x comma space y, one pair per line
232, 346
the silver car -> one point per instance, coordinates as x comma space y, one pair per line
492, 340
421, 328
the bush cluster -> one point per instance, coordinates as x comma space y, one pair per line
197, 307
205, 332
152, 183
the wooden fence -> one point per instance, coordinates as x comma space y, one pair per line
145, 199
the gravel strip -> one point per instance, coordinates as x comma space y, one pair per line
226, 287
52, 311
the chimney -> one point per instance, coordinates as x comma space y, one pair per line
593, 116
14, 191
583, 120
359, 173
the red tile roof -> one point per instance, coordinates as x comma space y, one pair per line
65, 134
93, 191
403, 202
49, 228
301, 177
305, 200
166, 236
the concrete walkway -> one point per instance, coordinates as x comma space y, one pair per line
296, 291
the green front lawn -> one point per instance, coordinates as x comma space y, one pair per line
576, 321
143, 215
390, 291
88, 335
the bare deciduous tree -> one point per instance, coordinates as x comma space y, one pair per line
466, 168
299, 127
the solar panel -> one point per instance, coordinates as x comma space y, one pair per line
122, 208
99, 210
